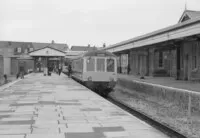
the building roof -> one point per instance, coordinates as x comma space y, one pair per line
156, 33
188, 14
35, 45
13, 44
82, 48
58, 46
47, 51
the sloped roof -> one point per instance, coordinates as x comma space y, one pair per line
189, 14
35, 45
58, 46
82, 48
47, 51
13, 44
155, 33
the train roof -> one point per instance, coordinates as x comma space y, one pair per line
101, 53
98, 53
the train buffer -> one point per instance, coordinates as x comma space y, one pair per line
58, 107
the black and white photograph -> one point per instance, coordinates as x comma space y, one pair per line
99, 68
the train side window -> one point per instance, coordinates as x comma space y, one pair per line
100, 64
81, 65
110, 65
90, 64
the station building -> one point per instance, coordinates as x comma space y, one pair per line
29, 56
173, 51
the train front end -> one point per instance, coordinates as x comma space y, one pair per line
100, 72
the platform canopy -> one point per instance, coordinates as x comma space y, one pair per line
47, 52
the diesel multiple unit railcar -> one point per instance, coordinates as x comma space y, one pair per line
97, 70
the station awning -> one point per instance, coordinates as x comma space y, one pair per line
54, 58
47, 52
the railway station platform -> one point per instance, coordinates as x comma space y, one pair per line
171, 102
58, 107
165, 81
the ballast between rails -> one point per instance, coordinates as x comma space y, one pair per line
155, 123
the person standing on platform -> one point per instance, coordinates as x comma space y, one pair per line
59, 69
22, 72
69, 70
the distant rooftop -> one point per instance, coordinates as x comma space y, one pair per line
82, 48
14, 44
59, 46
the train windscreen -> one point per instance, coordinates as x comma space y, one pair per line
110, 65
90, 64
100, 64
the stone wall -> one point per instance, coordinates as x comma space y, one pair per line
179, 97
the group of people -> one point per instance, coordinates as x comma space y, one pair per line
60, 68
50, 69
55, 68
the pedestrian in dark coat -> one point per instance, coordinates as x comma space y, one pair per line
69, 70
59, 69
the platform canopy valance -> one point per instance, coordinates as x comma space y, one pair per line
48, 52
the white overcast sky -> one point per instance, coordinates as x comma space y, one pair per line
82, 22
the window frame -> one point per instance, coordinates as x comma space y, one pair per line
114, 69
93, 64
104, 64
19, 50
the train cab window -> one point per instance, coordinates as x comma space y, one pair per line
101, 64
110, 65
90, 64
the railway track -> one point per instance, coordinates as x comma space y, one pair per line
160, 126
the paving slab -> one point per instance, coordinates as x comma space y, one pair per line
58, 107
12, 136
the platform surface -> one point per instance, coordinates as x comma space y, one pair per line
164, 81
58, 107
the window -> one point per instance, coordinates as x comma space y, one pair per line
185, 18
90, 64
110, 65
31, 49
160, 59
25, 51
19, 50
100, 65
